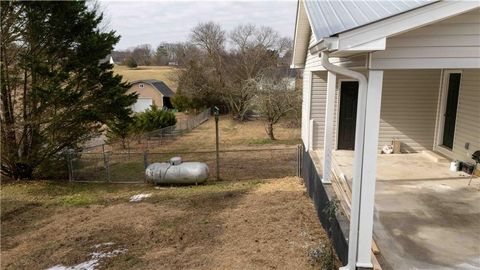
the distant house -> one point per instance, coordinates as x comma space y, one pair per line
108, 59
151, 92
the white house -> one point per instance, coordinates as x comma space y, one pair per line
383, 71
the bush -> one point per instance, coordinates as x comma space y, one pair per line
120, 129
181, 103
131, 63
153, 119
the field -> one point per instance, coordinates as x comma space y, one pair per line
225, 225
161, 73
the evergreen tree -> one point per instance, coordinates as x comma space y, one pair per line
55, 91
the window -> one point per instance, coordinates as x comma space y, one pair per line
141, 85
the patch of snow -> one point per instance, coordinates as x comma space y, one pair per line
104, 244
139, 197
94, 259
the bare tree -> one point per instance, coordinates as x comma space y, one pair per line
186, 52
275, 99
142, 54
255, 49
210, 37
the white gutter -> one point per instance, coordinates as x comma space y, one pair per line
358, 159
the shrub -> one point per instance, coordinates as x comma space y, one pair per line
131, 63
181, 103
153, 119
120, 129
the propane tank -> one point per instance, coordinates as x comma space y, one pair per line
177, 172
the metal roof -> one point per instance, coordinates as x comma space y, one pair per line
331, 17
160, 86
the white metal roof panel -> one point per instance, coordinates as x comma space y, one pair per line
330, 17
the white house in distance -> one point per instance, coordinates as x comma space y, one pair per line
403, 73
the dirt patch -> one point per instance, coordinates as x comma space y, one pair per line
243, 225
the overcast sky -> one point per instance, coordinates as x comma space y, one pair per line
151, 22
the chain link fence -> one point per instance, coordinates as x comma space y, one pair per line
234, 165
150, 139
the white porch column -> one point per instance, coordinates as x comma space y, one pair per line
328, 133
369, 167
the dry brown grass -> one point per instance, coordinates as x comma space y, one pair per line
161, 73
243, 225
233, 135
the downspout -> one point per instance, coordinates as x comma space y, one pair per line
358, 158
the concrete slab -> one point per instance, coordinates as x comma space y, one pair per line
428, 224
426, 217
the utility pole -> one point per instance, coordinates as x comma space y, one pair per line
216, 112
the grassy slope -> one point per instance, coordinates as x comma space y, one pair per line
253, 224
161, 73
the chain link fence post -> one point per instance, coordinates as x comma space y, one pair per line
145, 164
69, 165
107, 166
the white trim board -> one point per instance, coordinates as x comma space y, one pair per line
425, 63
404, 22
438, 142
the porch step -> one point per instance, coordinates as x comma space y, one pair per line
435, 157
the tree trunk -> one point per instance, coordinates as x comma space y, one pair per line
270, 131
22, 171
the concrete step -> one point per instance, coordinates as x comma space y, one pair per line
435, 157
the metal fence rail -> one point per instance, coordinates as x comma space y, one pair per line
243, 164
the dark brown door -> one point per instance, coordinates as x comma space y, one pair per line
451, 109
348, 115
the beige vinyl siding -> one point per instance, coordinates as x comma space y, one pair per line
147, 91
456, 38
409, 106
312, 62
318, 102
467, 127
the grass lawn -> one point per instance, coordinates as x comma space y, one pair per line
219, 225
161, 73
233, 135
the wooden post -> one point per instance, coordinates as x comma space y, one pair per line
216, 112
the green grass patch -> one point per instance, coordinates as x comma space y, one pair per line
25, 195
76, 199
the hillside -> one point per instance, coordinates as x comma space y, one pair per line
161, 73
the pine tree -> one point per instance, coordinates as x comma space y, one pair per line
55, 91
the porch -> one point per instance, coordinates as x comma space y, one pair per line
425, 217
